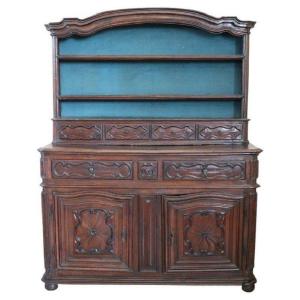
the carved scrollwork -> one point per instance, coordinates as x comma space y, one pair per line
195, 170
127, 132
92, 169
80, 132
160, 132
148, 131
204, 233
93, 232
220, 133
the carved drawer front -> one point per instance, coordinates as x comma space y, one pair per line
80, 132
79, 169
202, 170
203, 231
174, 132
163, 132
95, 230
127, 132
224, 132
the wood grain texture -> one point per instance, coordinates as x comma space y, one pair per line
197, 233
92, 169
73, 26
149, 201
197, 170
92, 58
151, 132
80, 132
96, 230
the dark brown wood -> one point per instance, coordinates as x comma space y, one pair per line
150, 233
149, 132
203, 232
224, 196
56, 85
150, 97
96, 230
245, 76
149, 201
73, 26
150, 57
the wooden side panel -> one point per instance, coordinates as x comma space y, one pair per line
150, 233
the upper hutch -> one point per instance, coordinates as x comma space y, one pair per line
150, 177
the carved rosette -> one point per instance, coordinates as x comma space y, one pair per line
194, 170
220, 133
93, 232
92, 169
204, 233
147, 170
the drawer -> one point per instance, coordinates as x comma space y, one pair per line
203, 170
92, 169
141, 169
149, 132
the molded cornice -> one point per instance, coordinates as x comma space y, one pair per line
83, 27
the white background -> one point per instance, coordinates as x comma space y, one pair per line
26, 111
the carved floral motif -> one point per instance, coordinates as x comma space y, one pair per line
204, 233
93, 232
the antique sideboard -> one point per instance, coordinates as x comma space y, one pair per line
150, 178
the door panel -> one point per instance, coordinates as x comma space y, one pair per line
203, 231
95, 230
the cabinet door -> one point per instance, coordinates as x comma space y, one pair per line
203, 232
95, 230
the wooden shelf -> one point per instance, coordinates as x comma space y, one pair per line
149, 57
149, 97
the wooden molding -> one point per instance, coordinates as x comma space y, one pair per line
83, 27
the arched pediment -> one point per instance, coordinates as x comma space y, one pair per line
84, 27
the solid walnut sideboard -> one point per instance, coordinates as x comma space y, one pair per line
150, 178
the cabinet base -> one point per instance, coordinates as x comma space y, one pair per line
248, 285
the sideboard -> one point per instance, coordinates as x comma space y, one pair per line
150, 178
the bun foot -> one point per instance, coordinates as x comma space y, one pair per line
51, 286
248, 286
